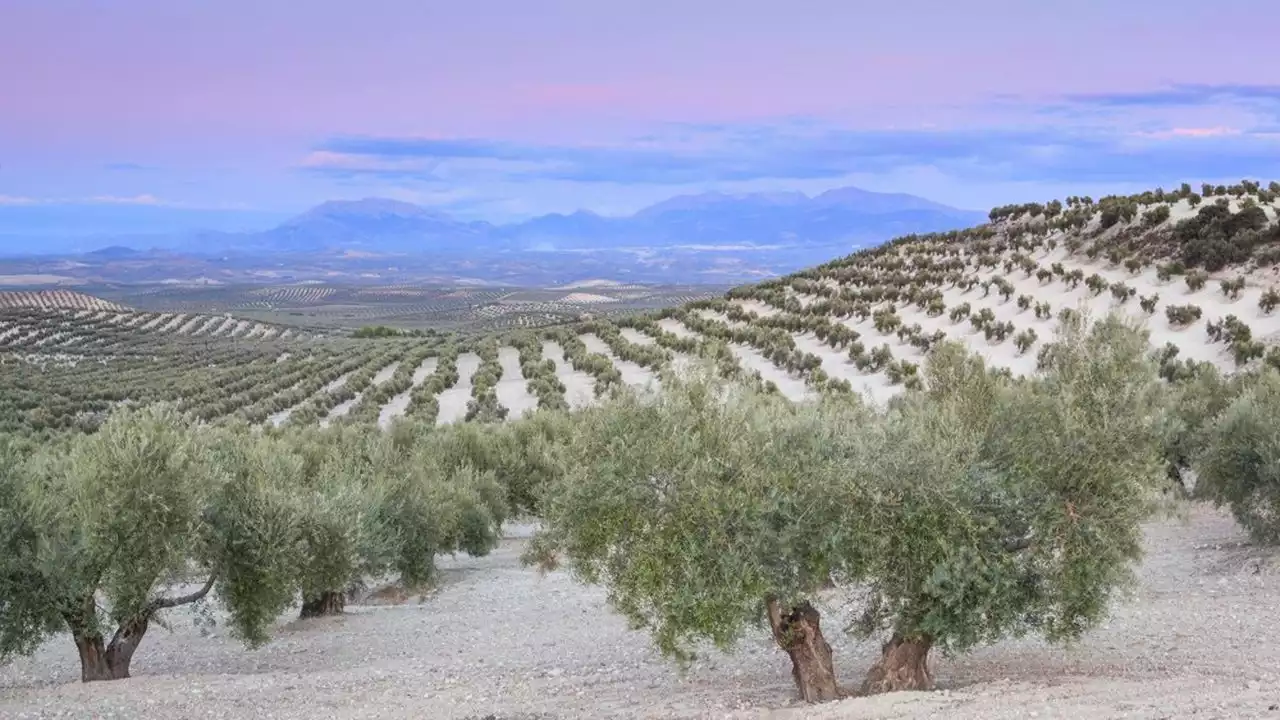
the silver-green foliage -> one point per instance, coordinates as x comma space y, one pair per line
977, 508
102, 530
695, 506
1015, 506
1239, 464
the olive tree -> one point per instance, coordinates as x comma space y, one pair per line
1238, 464
333, 509
1190, 406
369, 504
522, 455
705, 510
976, 508
100, 534
1009, 506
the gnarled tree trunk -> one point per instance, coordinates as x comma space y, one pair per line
798, 631
327, 603
903, 665
100, 660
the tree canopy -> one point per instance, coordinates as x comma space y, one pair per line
978, 508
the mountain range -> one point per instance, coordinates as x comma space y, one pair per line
703, 238
711, 221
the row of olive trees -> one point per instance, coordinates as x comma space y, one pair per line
100, 533
1221, 442
539, 372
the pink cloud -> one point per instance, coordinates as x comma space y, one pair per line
1192, 132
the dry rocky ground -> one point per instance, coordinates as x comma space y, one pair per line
497, 640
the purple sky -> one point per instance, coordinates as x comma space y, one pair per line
501, 109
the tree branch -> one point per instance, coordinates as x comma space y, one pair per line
162, 603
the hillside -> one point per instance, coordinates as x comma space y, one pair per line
493, 637
55, 300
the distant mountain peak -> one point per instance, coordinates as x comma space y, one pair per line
848, 198
371, 207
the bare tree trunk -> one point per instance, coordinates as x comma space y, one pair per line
904, 665
329, 602
798, 631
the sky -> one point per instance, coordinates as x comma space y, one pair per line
234, 114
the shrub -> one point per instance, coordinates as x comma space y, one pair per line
1025, 302
1231, 288
880, 358
1122, 292
900, 371
1097, 283
997, 331
1133, 265
983, 319
1196, 280
1148, 304
1005, 288
1044, 311
886, 320
1155, 216
1165, 272
1182, 315
1044, 275
1269, 300
1024, 340
959, 312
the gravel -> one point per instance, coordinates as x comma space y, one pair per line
499, 641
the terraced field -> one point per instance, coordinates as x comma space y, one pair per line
1198, 270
